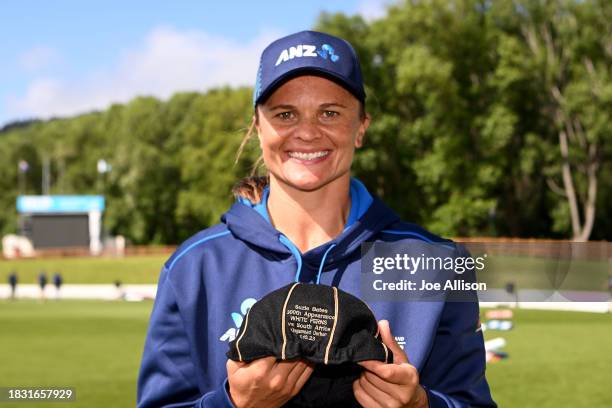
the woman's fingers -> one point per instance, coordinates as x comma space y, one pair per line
286, 374
258, 368
297, 369
304, 376
363, 397
233, 366
266, 381
284, 367
397, 383
264, 362
388, 388
373, 390
392, 373
399, 356
371, 365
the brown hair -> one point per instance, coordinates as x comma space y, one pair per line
252, 187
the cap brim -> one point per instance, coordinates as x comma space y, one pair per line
332, 76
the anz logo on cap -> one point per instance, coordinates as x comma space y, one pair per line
305, 50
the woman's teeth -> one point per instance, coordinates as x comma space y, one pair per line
308, 156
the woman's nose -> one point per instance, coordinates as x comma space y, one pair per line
307, 130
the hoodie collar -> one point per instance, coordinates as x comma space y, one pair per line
250, 222
361, 199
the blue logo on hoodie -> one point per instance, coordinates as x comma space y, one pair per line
238, 318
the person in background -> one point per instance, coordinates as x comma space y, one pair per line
57, 282
42, 283
120, 291
13, 279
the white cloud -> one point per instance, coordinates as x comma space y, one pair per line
167, 61
38, 58
373, 9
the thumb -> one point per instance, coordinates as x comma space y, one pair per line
399, 356
232, 366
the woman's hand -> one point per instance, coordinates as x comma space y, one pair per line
390, 385
266, 382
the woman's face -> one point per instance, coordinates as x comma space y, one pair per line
308, 131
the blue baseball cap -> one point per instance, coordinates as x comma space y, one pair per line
308, 52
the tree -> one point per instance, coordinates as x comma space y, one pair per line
488, 118
211, 133
571, 44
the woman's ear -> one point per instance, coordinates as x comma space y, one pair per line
363, 127
256, 125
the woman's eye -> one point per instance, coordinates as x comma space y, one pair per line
285, 115
330, 114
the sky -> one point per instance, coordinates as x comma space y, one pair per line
64, 57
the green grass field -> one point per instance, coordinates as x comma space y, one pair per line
93, 346
557, 359
131, 269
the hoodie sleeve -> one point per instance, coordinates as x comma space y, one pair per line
167, 375
454, 374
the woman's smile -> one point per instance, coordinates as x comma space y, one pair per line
309, 157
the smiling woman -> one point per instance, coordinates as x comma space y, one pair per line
303, 223
308, 131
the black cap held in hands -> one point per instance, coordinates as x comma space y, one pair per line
318, 323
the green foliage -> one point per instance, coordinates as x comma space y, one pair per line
464, 136
217, 124
464, 139
172, 162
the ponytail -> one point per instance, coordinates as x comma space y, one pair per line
250, 187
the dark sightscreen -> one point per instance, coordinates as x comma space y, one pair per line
57, 231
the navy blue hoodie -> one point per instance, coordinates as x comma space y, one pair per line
208, 285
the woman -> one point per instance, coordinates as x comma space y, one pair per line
304, 223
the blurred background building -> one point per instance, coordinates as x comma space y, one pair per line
62, 221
